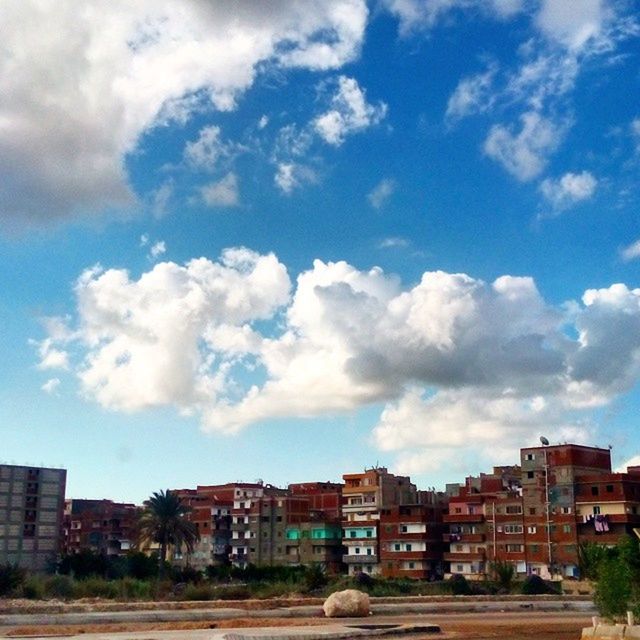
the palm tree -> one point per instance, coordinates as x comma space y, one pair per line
164, 521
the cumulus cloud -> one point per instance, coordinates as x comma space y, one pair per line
104, 76
51, 386
455, 359
634, 461
524, 153
292, 175
393, 242
569, 190
206, 152
158, 249
381, 193
631, 252
573, 25
473, 94
222, 193
418, 15
349, 113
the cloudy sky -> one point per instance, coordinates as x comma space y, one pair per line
289, 240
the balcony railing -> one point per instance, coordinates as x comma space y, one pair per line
462, 517
462, 557
360, 559
463, 537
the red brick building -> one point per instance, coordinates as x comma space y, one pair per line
411, 538
102, 526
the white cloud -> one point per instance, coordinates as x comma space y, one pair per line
52, 357
634, 461
292, 175
569, 190
460, 363
223, 193
524, 153
635, 132
158, 249
101, 78
393, 242
631, 252
208, 150
573, 24
416, 15
263, 122
51, 385
473, 94
144, 240
350, 113
381, 193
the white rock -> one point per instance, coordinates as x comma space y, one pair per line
350, 603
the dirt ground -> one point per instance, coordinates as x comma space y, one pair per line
459, 627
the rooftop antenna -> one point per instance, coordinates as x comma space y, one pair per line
544, 441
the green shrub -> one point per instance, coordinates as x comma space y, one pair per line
315, 577
198, 592
59, 587
132, 589
534, 586
33, 588
233, 592
96, 588
613, 589
458, 585
503, 573
12, 578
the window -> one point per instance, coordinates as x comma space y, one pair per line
566, 509
396, 547
356, 550
594, 491
535, 548
529, 474
596, 510
352, 534
412, 565
532, 511
566, 528
514, 509
531, 529
529, 456
609, 488
459, 568
369, 551
408, 547
369, 533
514, 548
403, 528
513, 528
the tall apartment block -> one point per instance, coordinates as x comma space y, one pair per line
364, 497
102, 526
318, 538
31, 512
485, 522
550, 475
535, 515
411, 538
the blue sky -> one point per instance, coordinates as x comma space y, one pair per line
290, 240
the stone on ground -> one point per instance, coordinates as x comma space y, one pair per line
350, 603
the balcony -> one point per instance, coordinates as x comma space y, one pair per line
239, 526
463, 537
464, 557
459, 518
360, 559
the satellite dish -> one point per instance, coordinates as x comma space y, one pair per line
544, 441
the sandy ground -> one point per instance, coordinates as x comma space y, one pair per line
459, 626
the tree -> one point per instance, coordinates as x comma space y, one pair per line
164, 521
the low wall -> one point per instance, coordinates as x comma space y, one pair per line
612, 632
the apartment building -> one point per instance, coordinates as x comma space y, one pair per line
102, 526
411, 538
550, 475
317, 540
484, 521
607, 506
534, 515
364, 497
31, 514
